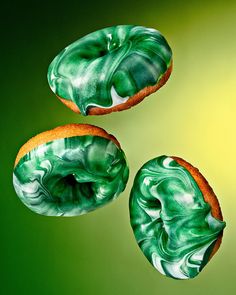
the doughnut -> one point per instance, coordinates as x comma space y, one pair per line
175, 216
70, 170
111, 69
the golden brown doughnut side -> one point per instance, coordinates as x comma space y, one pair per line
208, 194
133, 100
64, 131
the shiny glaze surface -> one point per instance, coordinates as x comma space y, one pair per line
172, 223
71, 176
106, 67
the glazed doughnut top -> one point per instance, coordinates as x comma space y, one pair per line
71, 176
106, 67
172, 223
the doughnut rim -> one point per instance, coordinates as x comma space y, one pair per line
64, 131
208, 195
132, 101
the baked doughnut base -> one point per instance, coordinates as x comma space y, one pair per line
132, 101
208, 195
64, 131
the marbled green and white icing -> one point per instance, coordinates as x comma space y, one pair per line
106, 67
171, 221
71, 176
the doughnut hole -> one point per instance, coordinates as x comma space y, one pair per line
92, 50
69, 192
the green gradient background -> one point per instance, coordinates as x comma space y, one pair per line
193, 116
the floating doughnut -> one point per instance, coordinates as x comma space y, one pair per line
70, 170
111, 69
175, 216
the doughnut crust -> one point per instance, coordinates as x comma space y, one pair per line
208, 195
132, 101
110, 69
68, 130
70, 170
175, 216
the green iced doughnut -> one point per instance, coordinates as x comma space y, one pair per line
175, 216
111, 69
70, 170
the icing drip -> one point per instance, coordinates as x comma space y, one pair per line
172, 223
71, 176
108, 66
